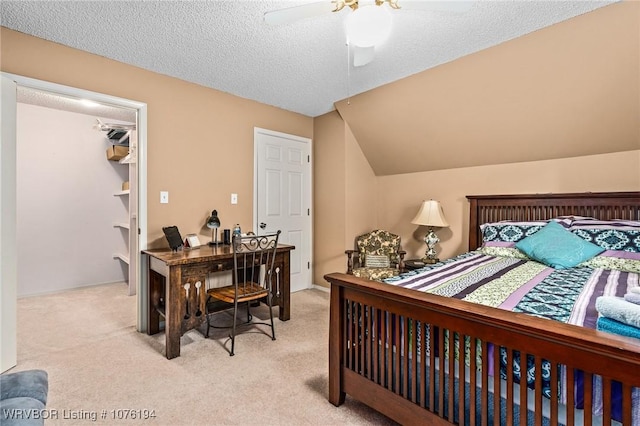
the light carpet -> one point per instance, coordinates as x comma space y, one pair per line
98, 363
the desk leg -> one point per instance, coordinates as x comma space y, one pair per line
173, 302
154, 293
285, 290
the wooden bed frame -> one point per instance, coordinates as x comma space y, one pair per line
371, 323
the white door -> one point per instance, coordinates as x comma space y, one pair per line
8, 255
282, 191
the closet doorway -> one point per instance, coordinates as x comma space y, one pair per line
127, 224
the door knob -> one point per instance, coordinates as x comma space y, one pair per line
263, 225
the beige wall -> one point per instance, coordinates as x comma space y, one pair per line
361, 191
400, 195
568, 90
329, 206
345, 195
200, 141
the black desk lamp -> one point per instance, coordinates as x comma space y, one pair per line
213, 223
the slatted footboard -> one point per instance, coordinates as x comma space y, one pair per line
449, 371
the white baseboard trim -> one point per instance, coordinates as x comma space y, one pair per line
64, 290
321, 288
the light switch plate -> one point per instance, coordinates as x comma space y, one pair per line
164, 197
234, 198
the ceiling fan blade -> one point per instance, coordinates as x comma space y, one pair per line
295, 13
362, 55
437, 5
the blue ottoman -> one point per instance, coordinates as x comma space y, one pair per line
23, 396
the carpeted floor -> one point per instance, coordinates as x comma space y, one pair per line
98, 364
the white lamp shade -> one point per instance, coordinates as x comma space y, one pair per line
368, 25
430, 214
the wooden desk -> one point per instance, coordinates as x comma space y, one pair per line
191, 266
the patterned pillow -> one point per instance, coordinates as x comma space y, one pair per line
376, 261
616, 235
555, 246
503, 252
615, 263
506, 233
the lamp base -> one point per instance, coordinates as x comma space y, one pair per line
214, 238
430, 256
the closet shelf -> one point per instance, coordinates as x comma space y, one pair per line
122, 257
128, 159
117, 133
120, 136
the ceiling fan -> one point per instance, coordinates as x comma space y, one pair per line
369, 22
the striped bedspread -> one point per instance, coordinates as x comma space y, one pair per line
518, 284
521, 285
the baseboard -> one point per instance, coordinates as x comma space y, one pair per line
321, 288
63, 290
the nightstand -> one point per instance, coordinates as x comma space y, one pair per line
412, 264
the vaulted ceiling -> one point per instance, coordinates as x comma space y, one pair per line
568, 90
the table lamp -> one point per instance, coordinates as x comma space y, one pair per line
430, 215
213, 223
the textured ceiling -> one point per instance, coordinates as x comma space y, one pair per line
301, 67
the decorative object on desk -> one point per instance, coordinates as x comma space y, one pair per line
430, 215
227, 237
173, 237
186, 289
213, 223
192, 240
198, 285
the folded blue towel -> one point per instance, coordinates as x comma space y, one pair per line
616, 327
633, 298
619, 309
634, 290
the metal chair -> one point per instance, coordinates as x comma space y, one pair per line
253, 280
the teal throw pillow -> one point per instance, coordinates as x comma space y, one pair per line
557, 247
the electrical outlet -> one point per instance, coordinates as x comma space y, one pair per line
234, 198
164, 197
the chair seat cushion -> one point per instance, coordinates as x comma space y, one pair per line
375, 274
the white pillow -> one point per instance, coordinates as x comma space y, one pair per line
376, 261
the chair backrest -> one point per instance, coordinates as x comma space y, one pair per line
378, 243
254, 262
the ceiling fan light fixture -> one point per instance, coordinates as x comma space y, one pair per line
368, 26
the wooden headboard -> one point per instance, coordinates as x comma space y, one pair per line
525, 207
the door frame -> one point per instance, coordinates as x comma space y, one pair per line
8, 220
256, 131
141, 156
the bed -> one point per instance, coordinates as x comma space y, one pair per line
424, 358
